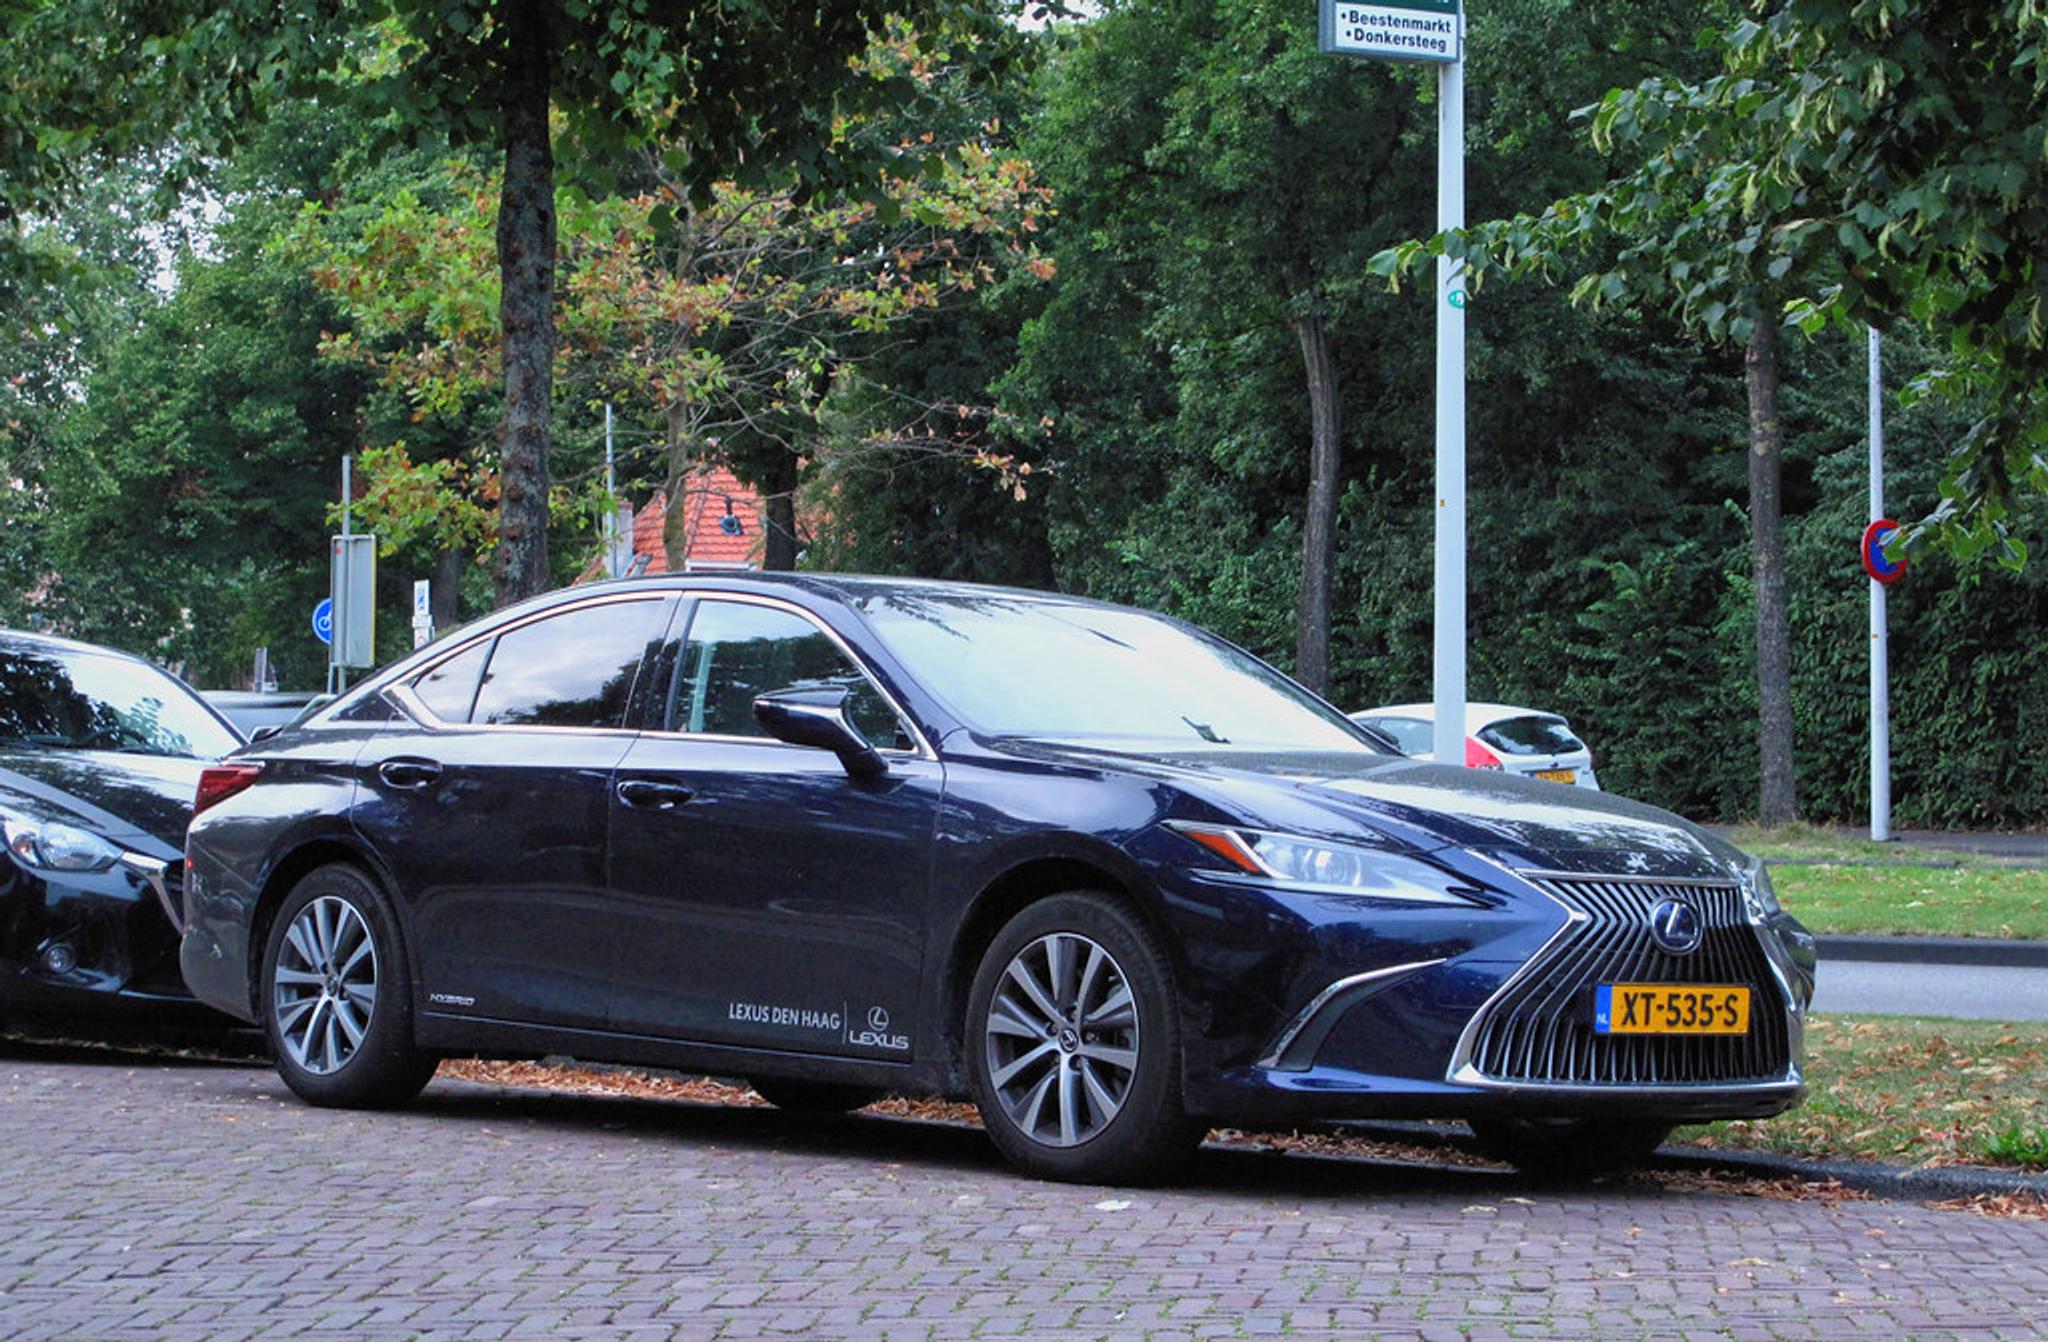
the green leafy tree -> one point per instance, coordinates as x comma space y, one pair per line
1866, 163
728, 91
732, 317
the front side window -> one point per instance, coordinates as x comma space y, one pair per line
737, 650
574, 669
67, 699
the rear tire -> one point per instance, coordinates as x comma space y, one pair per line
337, 995
1569, 1147
1073, 1044
817, 1099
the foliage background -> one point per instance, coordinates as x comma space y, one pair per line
170, 427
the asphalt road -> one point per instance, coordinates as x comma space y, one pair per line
1974, 992
150, 1199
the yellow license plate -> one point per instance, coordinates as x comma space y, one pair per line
1670, 1008
1558, 775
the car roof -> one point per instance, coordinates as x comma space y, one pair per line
23, 638
1478, 716
844, 586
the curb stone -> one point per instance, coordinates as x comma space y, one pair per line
1928, 1183
1934, 950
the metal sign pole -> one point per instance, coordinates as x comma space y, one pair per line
1432, 30
1450, 418
1880, 652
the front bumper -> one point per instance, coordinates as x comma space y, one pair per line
1452, 1014
94, 946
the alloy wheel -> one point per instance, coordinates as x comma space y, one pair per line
325, 990
1062, 1039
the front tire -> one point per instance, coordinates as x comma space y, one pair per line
1073, 1042
1569, 1147
337, 995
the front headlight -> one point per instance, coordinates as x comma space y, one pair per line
1757, 890
49, 845
1323, 866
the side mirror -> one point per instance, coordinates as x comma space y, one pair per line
817, 717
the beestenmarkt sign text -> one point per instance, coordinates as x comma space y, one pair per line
1408, 30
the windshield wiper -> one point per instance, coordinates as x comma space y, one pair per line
1205, 731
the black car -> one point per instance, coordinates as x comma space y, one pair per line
1113, 877
100, 755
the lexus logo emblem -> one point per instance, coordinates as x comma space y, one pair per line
878, 1019
1676, 927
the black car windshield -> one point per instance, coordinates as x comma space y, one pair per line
1069, 671
69, 699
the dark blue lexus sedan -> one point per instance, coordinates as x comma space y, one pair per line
1110, 876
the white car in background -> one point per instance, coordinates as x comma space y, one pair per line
1497, 736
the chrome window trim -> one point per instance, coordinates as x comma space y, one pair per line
924, 749
1462, 1071
401, 692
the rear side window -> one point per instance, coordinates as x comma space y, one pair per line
1532, 736
1412, 735
737, 650
450, 688
575, 669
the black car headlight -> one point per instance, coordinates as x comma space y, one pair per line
51, 845
1325, 866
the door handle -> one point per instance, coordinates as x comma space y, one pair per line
409, 771
646, 794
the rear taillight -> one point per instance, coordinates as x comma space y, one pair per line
220, 781
1479, 757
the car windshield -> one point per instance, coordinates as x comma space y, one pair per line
1068, 671
69, 699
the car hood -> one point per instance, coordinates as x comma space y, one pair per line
143, 802
1519, 822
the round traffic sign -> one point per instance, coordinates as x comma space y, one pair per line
323, 620
1875, 537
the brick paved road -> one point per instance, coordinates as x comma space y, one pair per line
140, 1198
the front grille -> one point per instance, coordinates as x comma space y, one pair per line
1541, 1029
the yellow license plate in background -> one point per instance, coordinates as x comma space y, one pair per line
1670, 1008
1558, 775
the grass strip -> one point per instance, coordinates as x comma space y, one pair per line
1912, 1091
1975, 901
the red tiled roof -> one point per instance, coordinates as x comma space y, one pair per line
710, 495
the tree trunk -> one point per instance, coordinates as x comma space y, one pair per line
1319, 531
1778, 800
778, 517
675, 518
446, 588
526, 309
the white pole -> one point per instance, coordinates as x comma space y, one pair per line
1880, 652
1450, 419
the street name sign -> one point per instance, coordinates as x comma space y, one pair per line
1402, 30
